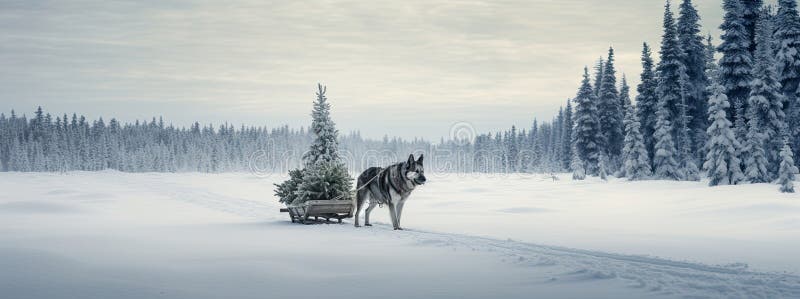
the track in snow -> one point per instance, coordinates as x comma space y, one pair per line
657, 275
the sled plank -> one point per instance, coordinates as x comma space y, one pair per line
327, 209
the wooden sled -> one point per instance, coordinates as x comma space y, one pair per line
325, 209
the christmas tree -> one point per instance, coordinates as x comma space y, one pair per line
324, 176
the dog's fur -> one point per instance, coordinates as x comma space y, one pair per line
390, 186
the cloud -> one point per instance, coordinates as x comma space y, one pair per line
392, 67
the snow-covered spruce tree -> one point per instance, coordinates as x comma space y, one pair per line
722, 163
712, 71
755, 159
555, 144
787, 62
624, 102
688, 168
647, 100
670, 95
610, 113
324, 181
765, 113
578, 171
324, 176
740, 124
736, 63
787, 38
664, 163
624, 96
696, 83
587, 131
788, 171
566, 140
287, 191
671, 71
636, 162
751, 13
325, 147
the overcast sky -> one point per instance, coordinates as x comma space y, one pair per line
403, 68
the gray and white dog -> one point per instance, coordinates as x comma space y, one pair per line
390, 186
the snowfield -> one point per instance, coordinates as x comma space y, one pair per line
119, 235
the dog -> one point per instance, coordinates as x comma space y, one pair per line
390, 186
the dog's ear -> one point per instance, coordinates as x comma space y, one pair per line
420, 159
411, 159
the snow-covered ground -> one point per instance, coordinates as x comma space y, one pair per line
117, 235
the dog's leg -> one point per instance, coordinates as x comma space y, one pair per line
400, 205
393, 214
360, 198
369, 210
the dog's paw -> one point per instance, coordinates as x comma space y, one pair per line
357, 225
367, 224
398, 228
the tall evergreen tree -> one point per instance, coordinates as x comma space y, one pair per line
609, 109
636, 161
787, 40
325, 176
688, 167
587, 129
624, 103
647, 100
664, 162
736, 63
712, 73
567, 135
670, 95
671, 73
766, 119
722, 163
755, 158
694, 60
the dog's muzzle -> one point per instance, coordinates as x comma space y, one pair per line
420, 180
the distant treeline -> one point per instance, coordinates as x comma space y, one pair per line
44, 143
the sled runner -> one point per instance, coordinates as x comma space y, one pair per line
326, 209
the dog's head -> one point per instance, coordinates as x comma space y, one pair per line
414, 170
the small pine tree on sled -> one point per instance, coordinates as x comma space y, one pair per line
324, 181
287, 191
325, 176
